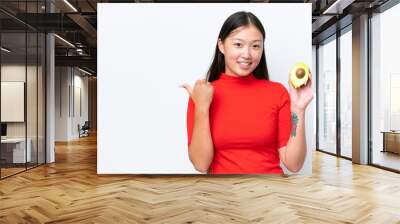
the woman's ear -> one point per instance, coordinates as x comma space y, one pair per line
221, 46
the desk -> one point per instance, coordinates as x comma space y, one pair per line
391, 141
15, 148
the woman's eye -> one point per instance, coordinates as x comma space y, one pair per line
237, 44
256, 46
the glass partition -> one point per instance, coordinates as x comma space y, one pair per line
14, 153
22, 77
41, 85
32, 96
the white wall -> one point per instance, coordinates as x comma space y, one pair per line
68, 81
10, 73
33, 127
80, 84
146, 50
16, 72
61, 103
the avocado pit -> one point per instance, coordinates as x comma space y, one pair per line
300, 73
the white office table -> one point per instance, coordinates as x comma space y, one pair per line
19, 149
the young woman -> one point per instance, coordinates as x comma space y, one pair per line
238, 121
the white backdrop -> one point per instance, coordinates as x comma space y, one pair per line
146, 50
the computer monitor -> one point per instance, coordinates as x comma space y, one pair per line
3, 129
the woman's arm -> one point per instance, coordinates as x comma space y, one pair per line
201, 150
294, 153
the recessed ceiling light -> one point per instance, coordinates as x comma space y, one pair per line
5, 50
338, 6
70, 5
64, 40
84, 71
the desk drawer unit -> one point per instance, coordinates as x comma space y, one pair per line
13, 151
391, 142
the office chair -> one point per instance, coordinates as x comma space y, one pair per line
84, 130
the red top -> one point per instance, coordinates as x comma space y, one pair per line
249, 121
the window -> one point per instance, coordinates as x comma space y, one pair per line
346, 93
385, 88
327, 96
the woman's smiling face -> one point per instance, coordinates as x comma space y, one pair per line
242, 50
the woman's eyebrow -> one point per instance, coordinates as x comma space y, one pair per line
243, 40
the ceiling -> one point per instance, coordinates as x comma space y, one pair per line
76, 22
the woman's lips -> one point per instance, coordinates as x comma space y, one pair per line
244, 65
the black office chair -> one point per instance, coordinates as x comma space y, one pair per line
84, 130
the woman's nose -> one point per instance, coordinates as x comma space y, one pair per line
246, 52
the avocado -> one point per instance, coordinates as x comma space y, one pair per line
299, 74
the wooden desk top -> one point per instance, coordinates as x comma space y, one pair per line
391, 132
13, 140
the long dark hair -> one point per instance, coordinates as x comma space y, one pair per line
234, 21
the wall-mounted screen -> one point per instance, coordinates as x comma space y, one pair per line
12, 101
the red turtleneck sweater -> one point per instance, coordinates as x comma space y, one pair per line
249, 121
